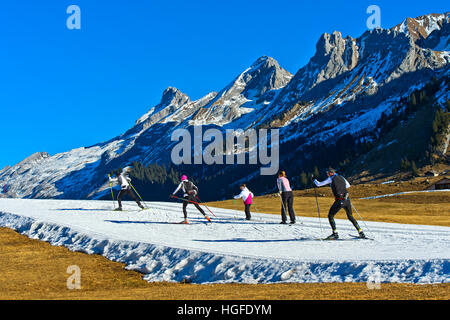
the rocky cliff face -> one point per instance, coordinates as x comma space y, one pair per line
343, 90
345, 69
244, 95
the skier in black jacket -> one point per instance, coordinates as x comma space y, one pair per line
339, 186
190, 191
124, 181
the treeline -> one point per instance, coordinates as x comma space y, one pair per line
408, 107
439, 127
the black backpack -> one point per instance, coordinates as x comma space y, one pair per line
338, 186
189, 187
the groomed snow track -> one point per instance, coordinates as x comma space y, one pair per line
232, 249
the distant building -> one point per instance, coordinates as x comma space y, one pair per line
440, 185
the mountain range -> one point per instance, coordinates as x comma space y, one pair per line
347, 107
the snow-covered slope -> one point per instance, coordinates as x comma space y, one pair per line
232, 249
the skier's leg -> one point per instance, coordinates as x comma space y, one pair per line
283, 207
200, 209
290, 202
185, 203
348, 210
119, 198
333, 210
247, 212
131, 194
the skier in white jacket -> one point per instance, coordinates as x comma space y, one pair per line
124, 181
247, 197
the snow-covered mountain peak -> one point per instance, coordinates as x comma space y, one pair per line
421, 27
173, 96
250, 90
264, 75
265, 62
171, 100
35, 158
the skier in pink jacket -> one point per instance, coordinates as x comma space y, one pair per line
287, 198
247, 197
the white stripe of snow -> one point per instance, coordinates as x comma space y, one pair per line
400, 193
231, 249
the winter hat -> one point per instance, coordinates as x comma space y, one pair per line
126, 170
183, 177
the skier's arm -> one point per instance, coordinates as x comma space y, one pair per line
195, 189
178, 188
323, 183
347, 185
113, 179
239, 196
279, 184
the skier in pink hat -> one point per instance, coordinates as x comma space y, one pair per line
190, 191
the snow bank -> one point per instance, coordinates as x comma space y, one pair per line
232, 249
402, 193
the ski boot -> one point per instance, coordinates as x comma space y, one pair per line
283, 222
362, 235
118, 209
142, 207
185, 221
292, 222
333, 236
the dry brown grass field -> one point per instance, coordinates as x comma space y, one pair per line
32, 269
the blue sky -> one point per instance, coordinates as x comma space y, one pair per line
62, 89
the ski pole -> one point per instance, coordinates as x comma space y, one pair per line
112, 193
186, 200
360, 217
255, 205
139, 196
235, 208
205, 206
317, 203
282, 204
